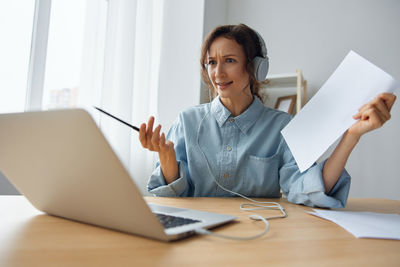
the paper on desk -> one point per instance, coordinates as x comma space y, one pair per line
330, 112
364, 224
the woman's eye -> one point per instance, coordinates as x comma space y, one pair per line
211, 62
230, 60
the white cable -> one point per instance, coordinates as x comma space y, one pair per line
256, 217
258, 206
275, 205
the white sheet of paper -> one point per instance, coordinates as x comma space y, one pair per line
330, 112
364, 224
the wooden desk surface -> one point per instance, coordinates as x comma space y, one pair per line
30, 238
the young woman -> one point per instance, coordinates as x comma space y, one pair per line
235, 142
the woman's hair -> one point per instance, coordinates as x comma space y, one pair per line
247, 39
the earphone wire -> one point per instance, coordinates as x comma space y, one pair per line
245, 206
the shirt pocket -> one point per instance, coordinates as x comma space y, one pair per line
261, 176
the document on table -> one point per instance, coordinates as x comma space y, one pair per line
364, 224
330, 112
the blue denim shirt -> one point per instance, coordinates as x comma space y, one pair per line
246, 154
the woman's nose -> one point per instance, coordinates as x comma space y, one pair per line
219, 70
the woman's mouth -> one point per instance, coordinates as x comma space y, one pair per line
223, 85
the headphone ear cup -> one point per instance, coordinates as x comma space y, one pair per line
261, 66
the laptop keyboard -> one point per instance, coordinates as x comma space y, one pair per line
169, 221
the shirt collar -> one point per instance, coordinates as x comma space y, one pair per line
244, 121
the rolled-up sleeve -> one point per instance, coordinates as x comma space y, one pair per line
308, 187
159, 187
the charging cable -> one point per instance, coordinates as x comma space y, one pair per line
203, 231
256, 205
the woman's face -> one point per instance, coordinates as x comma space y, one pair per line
227, 69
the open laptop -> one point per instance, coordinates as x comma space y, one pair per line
61, 162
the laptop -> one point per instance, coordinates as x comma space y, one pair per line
61, 162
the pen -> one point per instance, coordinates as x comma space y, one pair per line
112, 116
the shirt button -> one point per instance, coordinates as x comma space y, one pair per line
228, 148
232, 120
226, 175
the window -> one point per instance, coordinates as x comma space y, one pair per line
64, 54
16, 20
47, 46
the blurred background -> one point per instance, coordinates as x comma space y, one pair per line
137, 58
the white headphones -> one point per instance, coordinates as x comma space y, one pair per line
261, 63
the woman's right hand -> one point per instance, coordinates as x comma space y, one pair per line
153, 141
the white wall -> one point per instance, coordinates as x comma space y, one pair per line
315, 36
182, 37
215, 13
179, 74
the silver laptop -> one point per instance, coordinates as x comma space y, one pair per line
61, 162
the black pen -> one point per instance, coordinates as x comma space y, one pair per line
112, 116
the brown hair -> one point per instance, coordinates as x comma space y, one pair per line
247, 39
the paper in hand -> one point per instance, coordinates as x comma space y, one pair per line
330, 112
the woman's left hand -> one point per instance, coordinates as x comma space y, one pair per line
372, 115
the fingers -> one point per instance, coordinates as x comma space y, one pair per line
382, 104
383, 109
165, 144
162, 141
388, 99
357, 116
373, 114
146, 132
374, 118
155, 139
151, 139
149, 133
142, 135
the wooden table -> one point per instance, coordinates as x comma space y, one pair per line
31, 238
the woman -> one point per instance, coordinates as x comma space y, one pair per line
235, 141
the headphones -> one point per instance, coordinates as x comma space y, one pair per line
261, 63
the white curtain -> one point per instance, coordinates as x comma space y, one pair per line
144, 63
